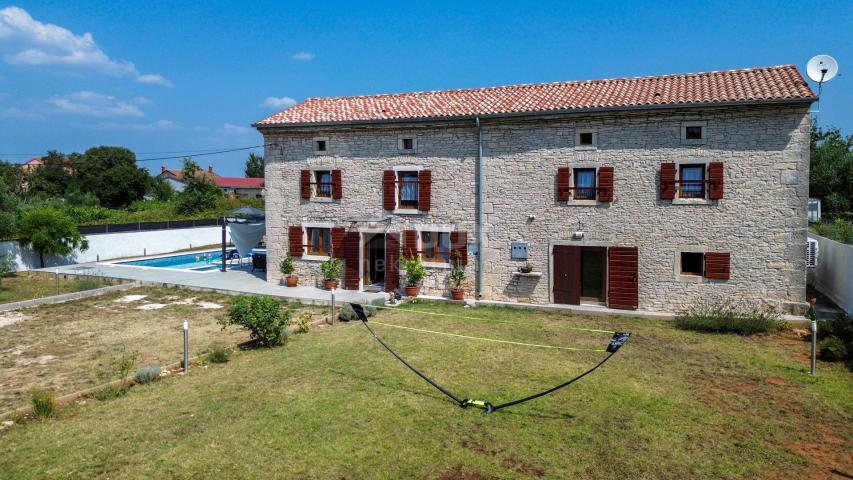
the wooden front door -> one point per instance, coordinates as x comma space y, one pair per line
622, 278
567, 274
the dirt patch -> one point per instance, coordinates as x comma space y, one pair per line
827, 458
9, 318
130, 298
522, 467
458, 472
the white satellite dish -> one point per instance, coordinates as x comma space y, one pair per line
822, 68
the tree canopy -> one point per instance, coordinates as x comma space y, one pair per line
255, 166
112, 175
48, 231
200, 193
51, 179
831, 176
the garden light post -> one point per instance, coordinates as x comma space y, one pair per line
224, 221
56, 280
186, 347
332, 321
814, 346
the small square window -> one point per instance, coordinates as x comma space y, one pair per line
691, 263
435, 246
408, 144
320, 145
585, 138
693, 133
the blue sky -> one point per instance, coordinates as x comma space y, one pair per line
190, 76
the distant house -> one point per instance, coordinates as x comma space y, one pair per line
32, 164
234, 186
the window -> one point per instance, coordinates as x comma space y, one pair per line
691, 263
691, 181
319, 240
321, 145
435, 246
586, 138
693, 132
408, 144
408, 189
323, 180
584, 184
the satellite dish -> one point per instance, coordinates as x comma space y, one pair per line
822, 68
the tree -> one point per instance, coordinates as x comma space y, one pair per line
12, 176
48, 231
831, 176
51, 179
255, 166
112, 175
200, 193
7, 265
161, 189
9, 204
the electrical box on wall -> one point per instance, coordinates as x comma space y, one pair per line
518, 250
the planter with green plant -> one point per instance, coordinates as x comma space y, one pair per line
526, 268
457, 277
332, 269
286, 268
415, 273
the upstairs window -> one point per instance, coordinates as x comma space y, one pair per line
691, 263
691, 181
435, 246
323, 181
319, 240
584, 184
408, 189
321, 145
586, 139
693, 133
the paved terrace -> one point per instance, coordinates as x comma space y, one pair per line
235, 280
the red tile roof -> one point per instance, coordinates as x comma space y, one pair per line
747, 85
239, 182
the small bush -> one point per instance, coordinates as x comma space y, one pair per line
723, 316
263, 317
303, 323
109, 392
44, 404
218, 354
116, 374
347, 313
147, 374
832, 349
86, 283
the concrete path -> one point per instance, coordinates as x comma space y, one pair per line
236, 280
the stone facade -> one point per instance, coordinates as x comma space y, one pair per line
761, 220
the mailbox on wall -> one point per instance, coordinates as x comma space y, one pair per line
518, 250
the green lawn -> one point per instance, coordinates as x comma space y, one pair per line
28, 285
334, 404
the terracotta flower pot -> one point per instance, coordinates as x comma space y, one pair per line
291, 280
330, 284
457, 293
411, 291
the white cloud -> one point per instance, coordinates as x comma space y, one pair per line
278, 102
158, 126
303, 56
94, 105
27, 41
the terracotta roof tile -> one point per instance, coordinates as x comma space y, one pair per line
751, 84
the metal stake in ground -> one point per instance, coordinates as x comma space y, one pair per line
56, 280
332, 320
814, 345
186, 346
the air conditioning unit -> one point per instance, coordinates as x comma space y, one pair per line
812, 249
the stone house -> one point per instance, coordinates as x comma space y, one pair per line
648, 193
244, 187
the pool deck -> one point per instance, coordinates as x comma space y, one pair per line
233, 281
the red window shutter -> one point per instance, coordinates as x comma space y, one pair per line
424, 190
352, 242
605, 184
459, 243
337, 187
717, 265
564, 178
667, 181
294, 236
392, 262
622, 278
338, 235
305, 184
410, 243
715, 180
567, 274
389, 195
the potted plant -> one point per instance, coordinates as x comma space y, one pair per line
331, 269
286, 267
415, 273
526, 268
457, 276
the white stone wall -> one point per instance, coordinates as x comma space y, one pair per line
761, 220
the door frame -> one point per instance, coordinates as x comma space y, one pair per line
363, 233
603, 298
578, 243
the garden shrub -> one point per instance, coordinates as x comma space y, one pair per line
832, 349
116, 374
347, 313
836, 338
264, 318
218, 354
726, 316
303, 323
147, 374
44, 404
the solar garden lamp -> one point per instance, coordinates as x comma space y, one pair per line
186, 347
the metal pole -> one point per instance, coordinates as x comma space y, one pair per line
186, 346
223, 244
333, 306
814, 346
56, 280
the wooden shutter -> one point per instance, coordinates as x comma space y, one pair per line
605, 184
305, 184
337, 187
351, 259
564, 178
717, 265
389, 195
424, 190
459, 243
567, 274
338, 235
410, 243
622, 281
294, 237
715, 180
392, 262
667, 181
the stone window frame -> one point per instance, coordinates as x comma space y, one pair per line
404, 211
315, 143
403, 151
449, 229
694, 123
692, 201
305, 226
584, 203
677, 263
593, 131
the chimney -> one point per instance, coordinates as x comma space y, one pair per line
162, 168
210, 169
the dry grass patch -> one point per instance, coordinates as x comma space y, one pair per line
28, 285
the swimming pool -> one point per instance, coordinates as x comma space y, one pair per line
198, 261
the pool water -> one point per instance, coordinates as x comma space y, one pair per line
201, 261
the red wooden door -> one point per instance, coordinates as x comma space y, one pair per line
352, 252
392, 262
567, 274
622, 278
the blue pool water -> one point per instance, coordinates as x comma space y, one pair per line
200, 261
